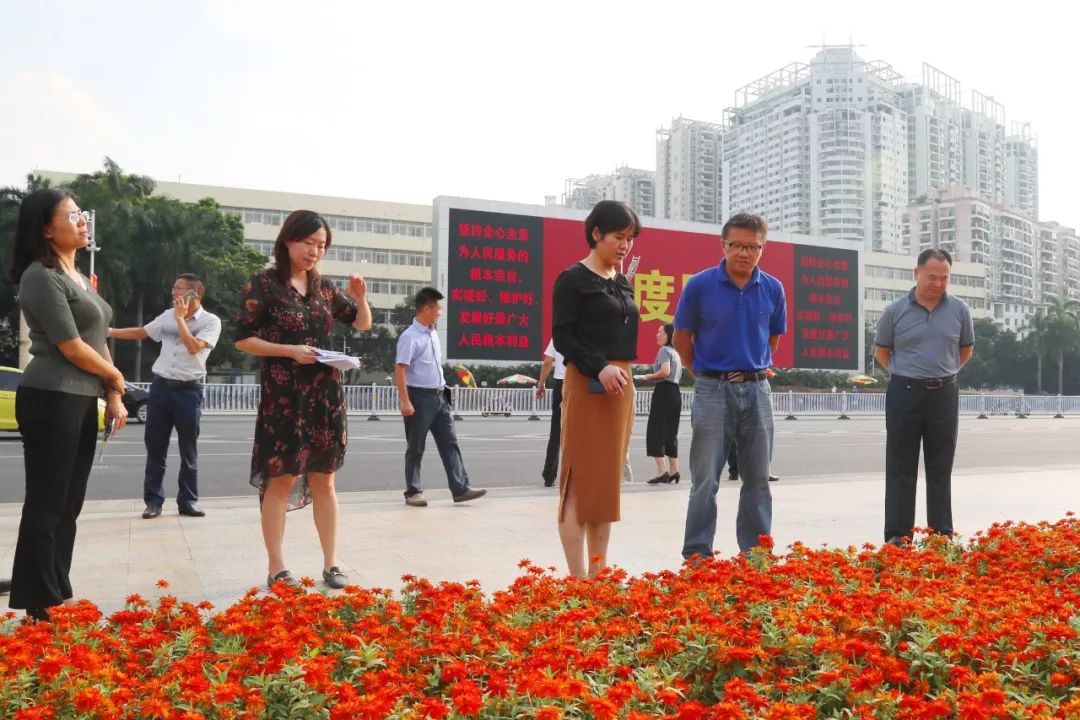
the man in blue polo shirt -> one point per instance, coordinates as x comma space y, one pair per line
727, 326
924, 337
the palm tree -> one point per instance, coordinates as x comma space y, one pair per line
1036, 336
1062, 332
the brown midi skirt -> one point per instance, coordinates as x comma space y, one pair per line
595, 437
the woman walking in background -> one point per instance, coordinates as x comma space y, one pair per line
595, 328
662, 433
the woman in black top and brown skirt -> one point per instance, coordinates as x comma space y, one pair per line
595, 328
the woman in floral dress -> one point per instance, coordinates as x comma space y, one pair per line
300, 432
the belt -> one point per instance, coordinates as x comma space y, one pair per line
926, 383
736, 376
433, 391
180, 384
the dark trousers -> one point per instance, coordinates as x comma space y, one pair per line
432, 414
59, 432
169, 408
916, 415
551, 460
662, 432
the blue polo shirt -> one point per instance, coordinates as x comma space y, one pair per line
731, 325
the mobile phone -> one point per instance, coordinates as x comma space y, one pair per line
108, 431
190, 295
596, 387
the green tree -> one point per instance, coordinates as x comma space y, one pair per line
1061, 333
145, 241
10, 200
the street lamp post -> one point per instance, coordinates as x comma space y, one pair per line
93, 248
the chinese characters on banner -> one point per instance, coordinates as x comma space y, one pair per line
657, 294
495, 265
826, 324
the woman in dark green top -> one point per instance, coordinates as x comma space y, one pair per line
56, 401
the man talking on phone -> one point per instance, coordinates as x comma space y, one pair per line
187, 333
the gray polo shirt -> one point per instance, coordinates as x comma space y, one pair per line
58, 309
925, 344
175, 362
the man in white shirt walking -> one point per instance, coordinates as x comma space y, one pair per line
425, 403
187, 333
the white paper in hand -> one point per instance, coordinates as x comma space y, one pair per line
336, 359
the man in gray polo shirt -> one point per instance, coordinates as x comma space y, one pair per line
923, 338
187, 333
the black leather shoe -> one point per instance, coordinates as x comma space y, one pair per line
549, 483
774, 478
151, 511
38, 614
282, 577
335, 578
733, 476
192, 510
659, 480
5, 587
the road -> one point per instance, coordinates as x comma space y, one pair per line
509, 452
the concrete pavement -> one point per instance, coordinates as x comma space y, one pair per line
220, 556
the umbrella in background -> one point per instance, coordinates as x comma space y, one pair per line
862, 380
517, 380
465, 375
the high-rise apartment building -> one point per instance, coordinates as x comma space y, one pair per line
821, 149
688, 171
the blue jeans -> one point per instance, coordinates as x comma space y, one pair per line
725, 413
432, 414
169, 408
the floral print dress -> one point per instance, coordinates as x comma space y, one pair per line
301, 425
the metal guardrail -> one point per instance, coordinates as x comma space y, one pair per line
376, 400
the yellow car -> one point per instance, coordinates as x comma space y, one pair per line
9, 380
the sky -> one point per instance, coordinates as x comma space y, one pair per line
407, 101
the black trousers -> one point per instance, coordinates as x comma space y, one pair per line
914, 416
59, 431
662, 432
551, 460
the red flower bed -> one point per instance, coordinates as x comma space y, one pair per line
938, 630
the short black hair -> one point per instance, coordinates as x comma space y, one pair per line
610, 216
35, 214
196, 282
427, 296
933, 254
746, 221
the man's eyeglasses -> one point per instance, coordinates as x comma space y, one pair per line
739, 249
75, 217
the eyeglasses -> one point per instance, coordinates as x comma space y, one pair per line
749, 249
75, 217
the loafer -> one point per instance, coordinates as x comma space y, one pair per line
282, 577
334, 578
416, 500
192, 510
151, 511
470, 494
